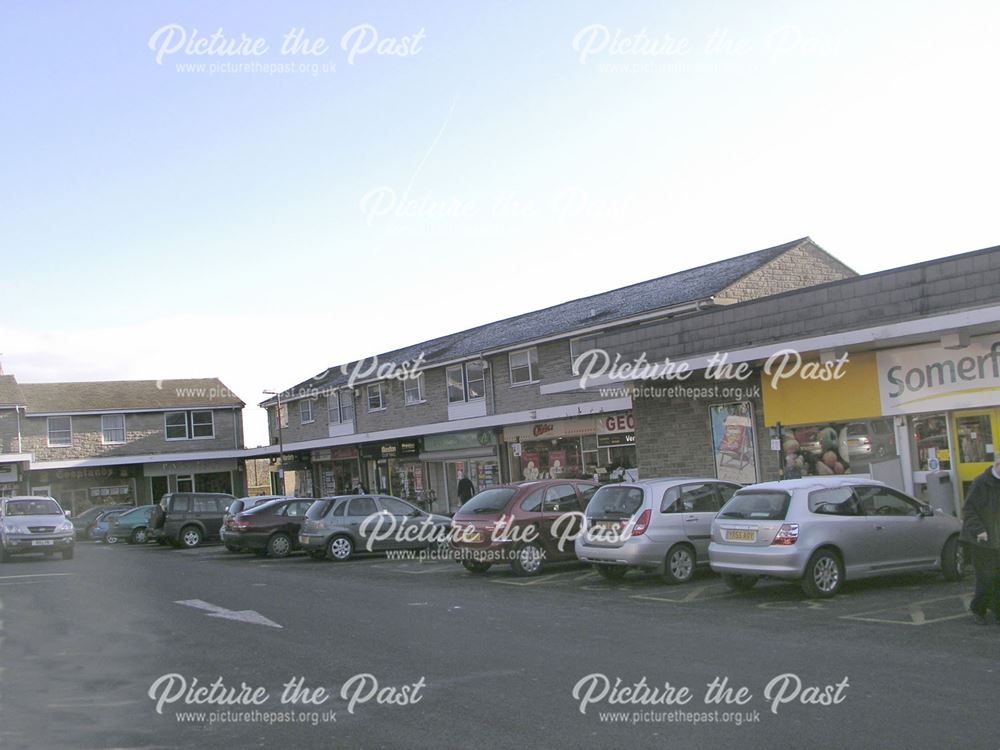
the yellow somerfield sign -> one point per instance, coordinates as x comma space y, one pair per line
799, 401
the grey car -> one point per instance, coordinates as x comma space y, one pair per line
337, 527
660, 525
822, 531
34, 524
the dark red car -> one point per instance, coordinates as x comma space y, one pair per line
270, 529
527, 525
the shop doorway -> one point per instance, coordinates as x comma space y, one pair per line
977, 434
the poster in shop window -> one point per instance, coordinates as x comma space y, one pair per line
733, 442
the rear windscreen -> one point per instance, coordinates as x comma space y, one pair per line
489, 501
615, 501
319, 509
761, 506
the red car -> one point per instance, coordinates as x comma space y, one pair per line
527, 525
270, 529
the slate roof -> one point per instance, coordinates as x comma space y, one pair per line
125, 395
606, 307
10, 392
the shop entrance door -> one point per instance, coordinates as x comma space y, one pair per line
977, 434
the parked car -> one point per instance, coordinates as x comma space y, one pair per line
335, 528
241, 504
822, 531
270, 528
186, 519
83, 522
34, 524
98, 530
660, 525
520, 524
130, 526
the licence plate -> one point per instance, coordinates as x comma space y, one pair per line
606, 524
42, 542
305, 539
477, 537
741, 535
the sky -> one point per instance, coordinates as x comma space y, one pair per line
259, 191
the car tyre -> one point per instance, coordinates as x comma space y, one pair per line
529, 559
340, 548
190, 537
953, 560
611, 572
824, 575
279, 545
739, 582
475, 566
138, 535
678, 567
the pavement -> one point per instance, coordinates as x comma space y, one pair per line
110, 649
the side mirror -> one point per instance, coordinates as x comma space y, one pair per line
926, 511
68, 513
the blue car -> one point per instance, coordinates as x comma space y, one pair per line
98, 531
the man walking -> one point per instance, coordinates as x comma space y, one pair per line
466, 489
981, 531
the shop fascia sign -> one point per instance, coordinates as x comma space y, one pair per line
8, 472
459, 440
931, 378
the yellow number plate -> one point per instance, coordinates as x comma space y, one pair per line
741, 535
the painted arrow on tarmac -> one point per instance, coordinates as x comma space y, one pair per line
243, 615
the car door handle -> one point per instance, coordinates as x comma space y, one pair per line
689, 519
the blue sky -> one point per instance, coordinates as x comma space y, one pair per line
158, 222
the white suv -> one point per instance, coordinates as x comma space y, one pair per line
34, 524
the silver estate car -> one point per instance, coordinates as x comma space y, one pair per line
660, 525
822, 531
337, 527
34, 524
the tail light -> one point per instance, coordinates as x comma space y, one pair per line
241, 523
787, 534
642, 524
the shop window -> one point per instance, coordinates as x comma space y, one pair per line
974, 435
375, 399
112, 429
523, 367
929, 440
465, 382
60, 432
185, 483
837, 447
306, 411
413, 390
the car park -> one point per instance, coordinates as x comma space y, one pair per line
335, 528
130, 526
83, 522
186, 519
34, 525
526, 525
659, 525
270, 528
822, 531
241, 504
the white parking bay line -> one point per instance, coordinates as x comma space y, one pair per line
914, 612
692, 594
36, 575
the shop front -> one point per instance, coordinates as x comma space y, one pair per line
337, 470
582, 447
77, 490
292, 475
451, 456
208, 475
13, 470
394, 468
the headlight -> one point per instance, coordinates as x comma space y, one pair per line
65, 526
13, 528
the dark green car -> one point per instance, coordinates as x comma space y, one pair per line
130, 526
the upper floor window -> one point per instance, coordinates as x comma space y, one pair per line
112, 428
60, 432
340, 406
376, 401
306, 411
413, 390
523, 366
578, 346
465, 382
189, 425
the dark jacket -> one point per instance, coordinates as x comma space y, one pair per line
982, 511
466, 489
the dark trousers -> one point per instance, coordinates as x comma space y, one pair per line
987, 566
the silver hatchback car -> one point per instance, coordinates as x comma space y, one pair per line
822, 531
659, 525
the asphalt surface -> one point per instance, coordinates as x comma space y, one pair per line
479, 661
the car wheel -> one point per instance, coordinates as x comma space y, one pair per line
111, 539
138, 536
190, 536
279, 546
679, 564
824, 575
953, 560
738, 582
317, 554
340, 548
67, 554
611, 572
474, 566
528, 559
